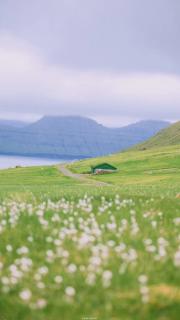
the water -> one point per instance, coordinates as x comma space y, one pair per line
13, 161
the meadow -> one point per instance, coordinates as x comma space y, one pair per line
153, 172
70, 250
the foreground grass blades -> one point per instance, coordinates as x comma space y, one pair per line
96, 256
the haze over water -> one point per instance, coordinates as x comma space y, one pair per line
12, 161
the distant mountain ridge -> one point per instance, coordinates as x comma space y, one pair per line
165, 137
73, 137
13, 123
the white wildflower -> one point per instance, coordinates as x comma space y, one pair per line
9, 248
43, 270
25, 295
72, 268
143, 279
58, 279
177, 258
106, 278
70, 291
41, 303
176, 221
22, 250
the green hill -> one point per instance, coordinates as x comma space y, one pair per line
166, 137
148, 172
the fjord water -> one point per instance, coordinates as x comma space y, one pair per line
13, 161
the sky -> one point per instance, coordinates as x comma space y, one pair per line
115, 61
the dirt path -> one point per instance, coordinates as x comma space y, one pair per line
81, 177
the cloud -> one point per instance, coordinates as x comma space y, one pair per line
28, 83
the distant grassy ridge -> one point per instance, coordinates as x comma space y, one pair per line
166, 137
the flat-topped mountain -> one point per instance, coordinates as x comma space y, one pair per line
67, 123
73, 137
165, 137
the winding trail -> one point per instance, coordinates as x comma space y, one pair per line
81, 177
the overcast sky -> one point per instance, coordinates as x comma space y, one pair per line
113, 60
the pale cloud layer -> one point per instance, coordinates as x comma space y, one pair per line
55, 72
26, 78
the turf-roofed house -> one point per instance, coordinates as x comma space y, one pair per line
103, 168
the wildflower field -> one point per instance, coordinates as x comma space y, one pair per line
74, 251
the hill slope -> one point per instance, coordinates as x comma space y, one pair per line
146, 172
166, 137
73, 137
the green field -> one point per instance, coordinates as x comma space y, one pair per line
153, 172
70, 250
33, 181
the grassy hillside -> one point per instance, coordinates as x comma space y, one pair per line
166, 137
69, 250
152, 171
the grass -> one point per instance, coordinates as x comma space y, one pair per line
30, 181
152, 172
166, 137
73, 251
30, 176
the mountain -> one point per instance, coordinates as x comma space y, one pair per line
166, 137
73, 137
13, 123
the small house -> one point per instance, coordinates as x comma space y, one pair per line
103, 168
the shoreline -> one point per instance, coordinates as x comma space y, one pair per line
44, 156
